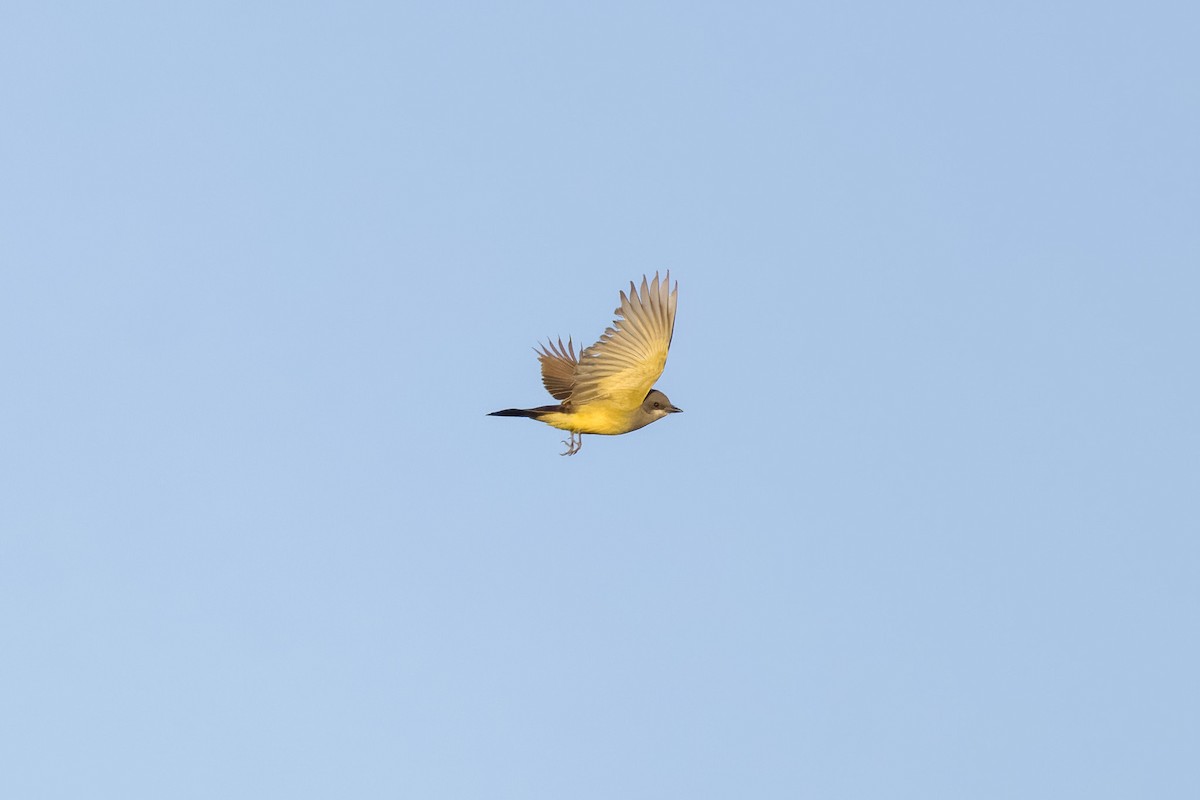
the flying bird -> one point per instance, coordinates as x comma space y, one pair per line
608, 388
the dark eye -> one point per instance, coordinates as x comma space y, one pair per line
656, 404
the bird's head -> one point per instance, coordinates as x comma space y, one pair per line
657, 405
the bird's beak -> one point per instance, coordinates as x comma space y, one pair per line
673, 410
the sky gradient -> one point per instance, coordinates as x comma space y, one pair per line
928, 527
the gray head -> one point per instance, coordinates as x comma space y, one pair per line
657, 406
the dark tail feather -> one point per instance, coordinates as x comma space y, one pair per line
532, 413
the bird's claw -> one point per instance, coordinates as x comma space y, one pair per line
573, 444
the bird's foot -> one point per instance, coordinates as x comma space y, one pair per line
574, 444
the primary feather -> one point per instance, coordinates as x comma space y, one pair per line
558, 368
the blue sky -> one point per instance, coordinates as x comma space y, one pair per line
928, 527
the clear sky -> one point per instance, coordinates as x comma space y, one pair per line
927, 529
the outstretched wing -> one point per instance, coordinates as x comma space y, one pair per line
558, 368
622, 367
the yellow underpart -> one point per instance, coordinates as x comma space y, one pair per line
603, 419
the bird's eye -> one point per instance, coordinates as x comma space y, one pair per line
657, 404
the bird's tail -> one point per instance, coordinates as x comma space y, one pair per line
532, 413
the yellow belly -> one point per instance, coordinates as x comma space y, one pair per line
595, 418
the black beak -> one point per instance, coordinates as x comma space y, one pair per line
674, 410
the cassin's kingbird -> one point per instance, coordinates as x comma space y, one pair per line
607, 389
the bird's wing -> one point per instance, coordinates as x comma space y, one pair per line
558, 368
622, 367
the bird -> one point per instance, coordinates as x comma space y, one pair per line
608, 389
